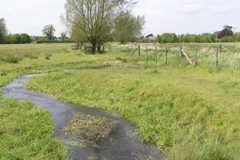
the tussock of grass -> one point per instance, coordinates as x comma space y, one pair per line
184, 111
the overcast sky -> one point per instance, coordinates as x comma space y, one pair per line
175, 16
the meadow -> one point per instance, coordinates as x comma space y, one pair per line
188, 112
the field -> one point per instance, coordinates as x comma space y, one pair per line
188, 112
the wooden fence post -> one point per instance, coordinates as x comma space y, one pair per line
216, 58
195, 58
181, 54
182, 51
220, 50
166, 55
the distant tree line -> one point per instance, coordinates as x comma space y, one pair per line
196, 38
23, 38
225, 35
18, 39
48, 32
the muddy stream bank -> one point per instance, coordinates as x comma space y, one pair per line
121, 142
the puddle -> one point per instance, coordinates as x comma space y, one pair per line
122, 143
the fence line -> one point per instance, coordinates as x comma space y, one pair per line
217, 56
195, 57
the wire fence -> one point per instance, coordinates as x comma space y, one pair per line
214, 55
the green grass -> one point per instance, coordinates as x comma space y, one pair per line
189, 113
26, 132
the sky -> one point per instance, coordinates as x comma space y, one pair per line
171, 16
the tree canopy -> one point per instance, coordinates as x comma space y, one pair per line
3, 30
94, 20
128, 27
49, 30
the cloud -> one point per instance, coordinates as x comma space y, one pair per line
222, 9
150, 12
149, 8
192, 8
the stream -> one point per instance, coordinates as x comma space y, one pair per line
123, 143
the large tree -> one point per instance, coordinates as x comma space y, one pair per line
3, 30
94, 19
128, 27
49, 30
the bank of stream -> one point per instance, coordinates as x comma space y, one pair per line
120, 141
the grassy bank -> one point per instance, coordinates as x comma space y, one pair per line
189, 113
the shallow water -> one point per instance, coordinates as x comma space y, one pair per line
123, 143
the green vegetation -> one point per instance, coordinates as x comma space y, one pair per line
49, 30
3, 30
186, 112
97, 22
189, 113
128, 27
26, 132
225, 35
